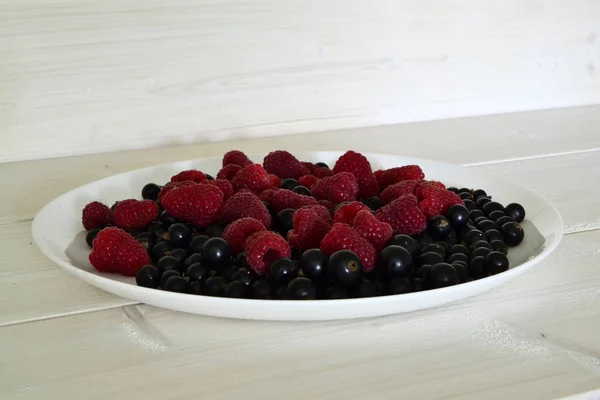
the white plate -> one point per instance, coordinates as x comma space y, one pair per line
57, 231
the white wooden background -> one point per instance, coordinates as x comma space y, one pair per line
87, 76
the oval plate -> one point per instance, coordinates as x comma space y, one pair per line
58, 232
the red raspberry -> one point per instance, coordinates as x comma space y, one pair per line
252, 177
328, 205
275, 180
309, 228
321, 211
359, 166
343, 237
267, 195
309, 166
189, 175
307, 180
170, 186
117, 251
243, 205
337, 188
284, 165
262, 248
238, 231
229, 172
438, 201
225, 187
378, 175
132, 214
96, 215
347, 212
396, 190
199, 204
322, 172
285, 198
405, 173
376, 232
425, 187
403, 215
236, 157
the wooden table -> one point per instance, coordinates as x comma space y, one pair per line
536, 337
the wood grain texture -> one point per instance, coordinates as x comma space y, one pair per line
82, 76
28, 186
32, 288
532, 338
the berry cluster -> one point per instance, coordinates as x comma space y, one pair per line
294, 230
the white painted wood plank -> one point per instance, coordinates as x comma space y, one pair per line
534, 338
570, 182
31, 287
27, 186
87, 76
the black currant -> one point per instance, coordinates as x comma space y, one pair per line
503, 220
423, 272
476, 269
164, 277
474, 214
399, 286
283, 221
367, 288
407, 242
459, 248
241, 260
303, 190
176, 284
193, 259
215, 229
436, 248
322, 165
430, 258
179, 254
345, 268
473, 236
495, 215
167, 219
209, 177
245, 276
480, 202
148, 276
196, 244
235, 289
458, 257
151, 191
470, 204
499, 245
480, 252
335, 293
301, 289
493, 234
195, 288
288, 183
495, 263
458, 216
161, 249
227, 272
486, 225
513, 233
373, 202
515, 211
314, 264
442, 275
396, 261
261, 289
178, 234
90, 236
282, 271
216, 254
157, 228
438, 227
466, 195
417, 285
215, 286
492, 206
197, 273
479, 193
168, 263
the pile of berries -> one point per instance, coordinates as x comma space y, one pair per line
295, 230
